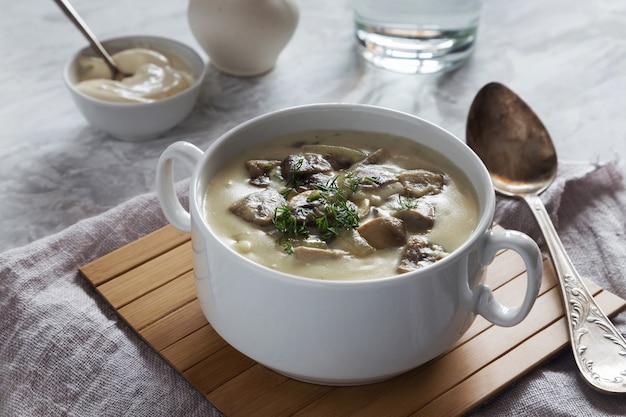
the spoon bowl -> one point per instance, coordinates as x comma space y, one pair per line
523, 159
517, 150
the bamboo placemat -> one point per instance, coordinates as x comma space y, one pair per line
150, 283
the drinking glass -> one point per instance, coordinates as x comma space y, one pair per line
416, 36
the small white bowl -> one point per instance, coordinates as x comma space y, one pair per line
138, 121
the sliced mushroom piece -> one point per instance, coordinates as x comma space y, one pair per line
339, 157
320, 178
379, 195
305, 164
375, 157
418, 254
421, 182
308, 254
308, 241
418, 218
259, 167
259, 171
307, 206
383, 232
354, 243
373, 176
260, 181
363, 207
259, 207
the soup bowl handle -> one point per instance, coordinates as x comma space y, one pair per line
189, 155
482, 300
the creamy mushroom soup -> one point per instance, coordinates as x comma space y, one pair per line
341, 205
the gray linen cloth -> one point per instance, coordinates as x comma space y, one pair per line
65, 352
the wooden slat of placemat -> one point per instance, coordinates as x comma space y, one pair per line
504, 370
147, 276
150, 283
175, 326
133, 254
160, 302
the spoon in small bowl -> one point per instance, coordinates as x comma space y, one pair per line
70, 12
517, 150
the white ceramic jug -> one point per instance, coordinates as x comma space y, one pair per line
243, 37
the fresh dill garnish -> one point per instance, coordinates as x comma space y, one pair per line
288, 247
352, 182
288, 225
373, 180
324, 228
314, 197
297, 178
339, 212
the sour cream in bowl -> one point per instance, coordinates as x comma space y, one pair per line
160, 93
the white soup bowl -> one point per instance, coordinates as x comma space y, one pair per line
343, 332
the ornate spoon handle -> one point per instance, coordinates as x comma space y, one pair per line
599, 349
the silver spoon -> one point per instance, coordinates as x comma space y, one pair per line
520, 156
70, 12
